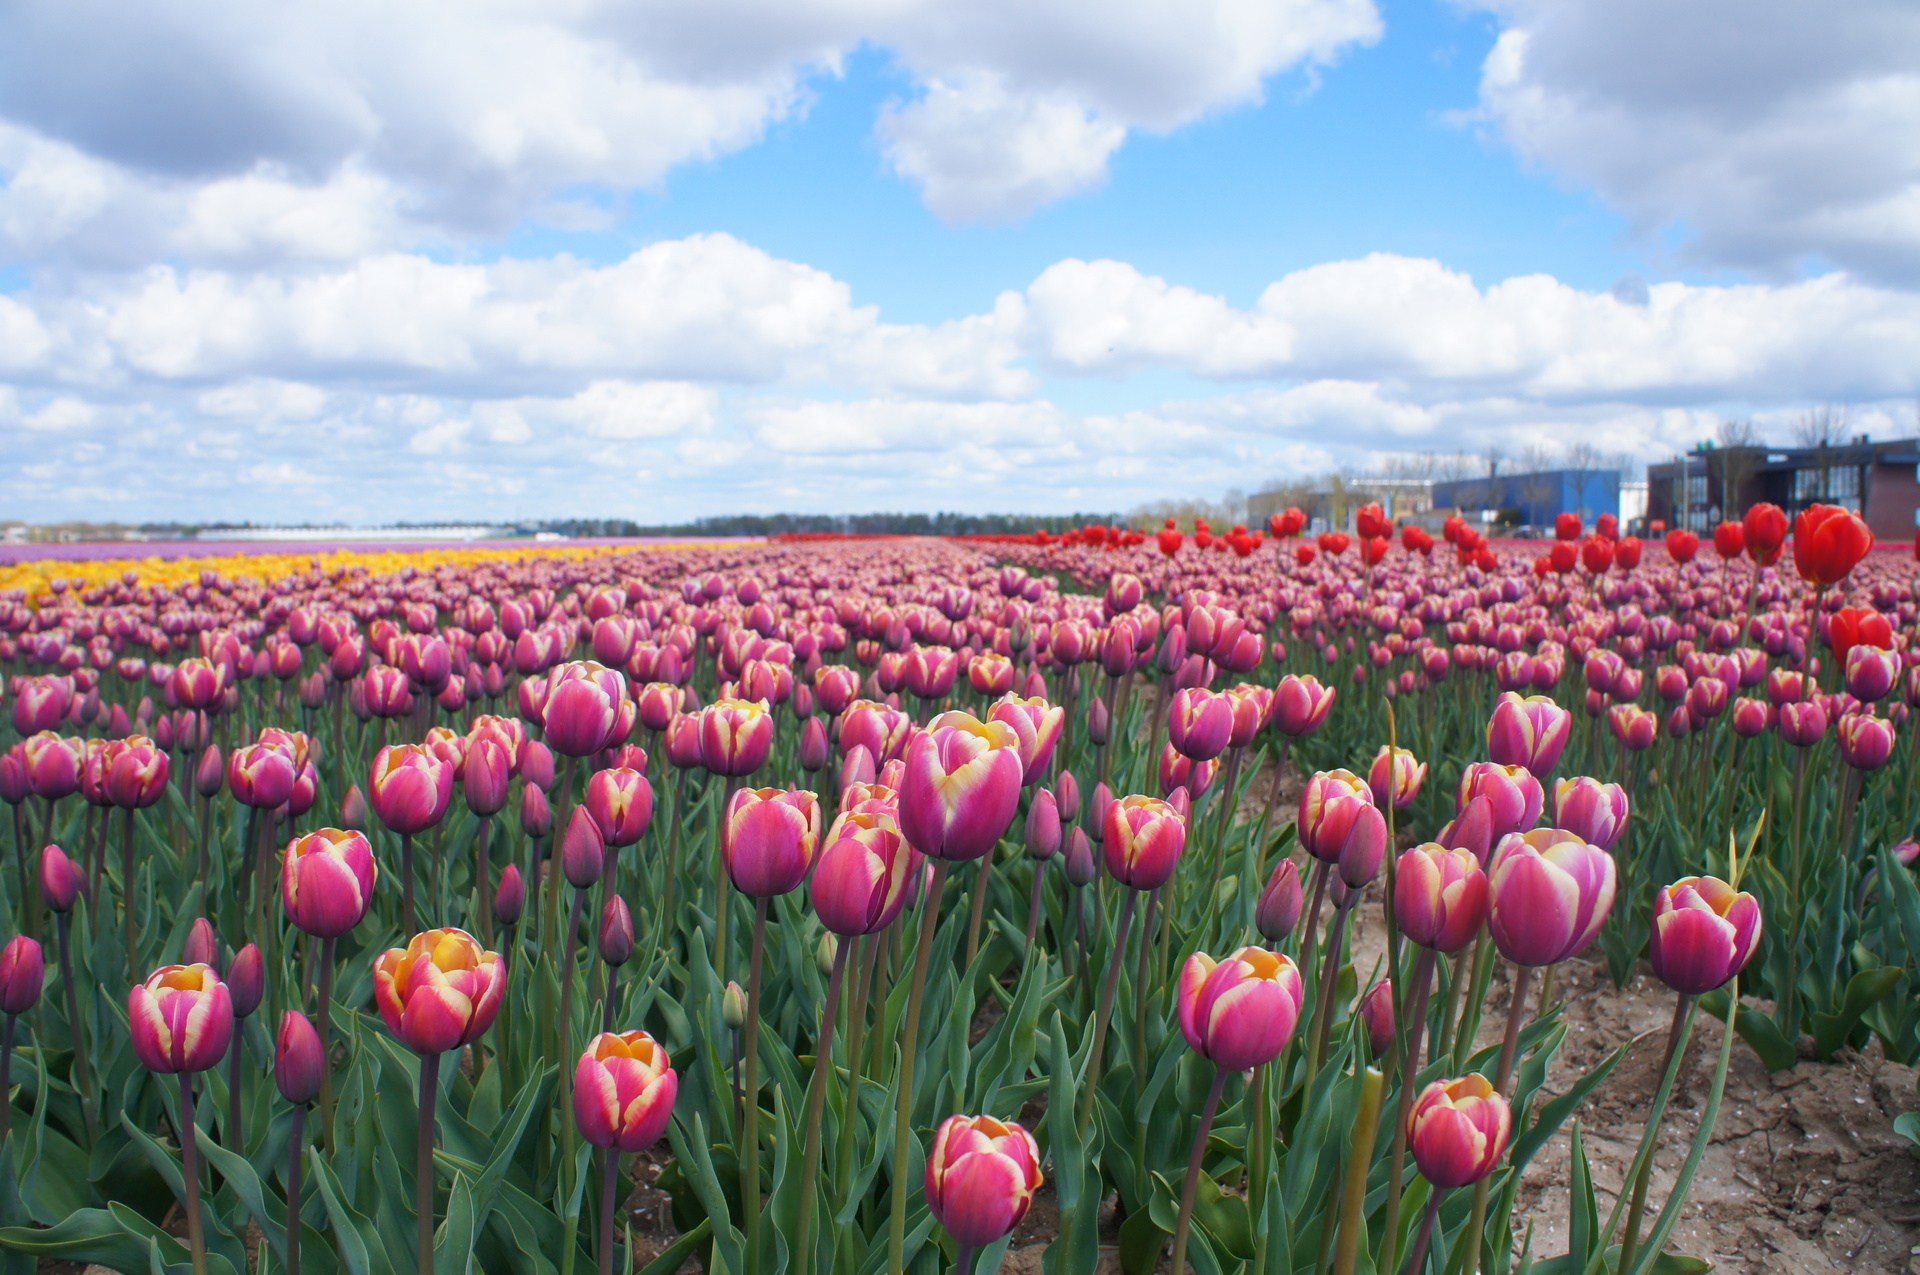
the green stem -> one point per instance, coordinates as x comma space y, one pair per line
1416, 1024
1090, 1083
190, 1167
750, 1137
1353, 1196
979, 908
816, 1106
296, 1153
1184, 1226
1475, 1234
423, 1162
1682, 1012
909, 1045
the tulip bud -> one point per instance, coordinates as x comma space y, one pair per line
60, 879
1376, 1013
353, 810
536, 764
247, 980
1551, 894
442, 991
487, 773
623, 1092
1803, 723
1440, 897
1703, 933
825, 951
181, 1019
768, 839
583, 852
1458, 1130
1300, 705
510, 900
1280, 903
815, 748
23, 972
203, 945
1043, 826
211, 774
1339, 824
298, 1061
1097, 811
733, 1007
1082, 866
856, 767
1240, 1012
536, 816
1066, 791
1594, 812
616, 932
1395, 777
1749, 717
981, 1176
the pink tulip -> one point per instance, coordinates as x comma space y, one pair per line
735, 736
410, 788
1239, 1013
1036, 725
1200, 723
442, 991
1704, 932
961, 787
1440, 897
1458, 1130
1280, 903
1395, 778
863, 876
326, 881
1551, 894
768, 840
298, 1060
1530, 732
1300, 705
623, 1091
621, 803
180, 1019
1592, 811
1514, 794
1142, 842
981, 1177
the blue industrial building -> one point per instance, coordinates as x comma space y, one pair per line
1533, 500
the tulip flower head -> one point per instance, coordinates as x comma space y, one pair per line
441, 991
1200, 723
326, 881
1280, 903
621, 803
1239, 1013
1376, 1015
298, 1060
864, 874
1828, 542
1143, 840
623, 1091
1339, 824
1530, 731
769, 838
585, 708
1704, 932
735, 736
510, 900
1440, 897
1590, 810
1036, 726
981, 1177
1514, 794
1551, 893
23, 972
1395, 777
1866, 741
1300, 705
961, 787
410, 788
181, 1019
1458, 1130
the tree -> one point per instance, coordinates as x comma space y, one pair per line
1817, 430
1738, 441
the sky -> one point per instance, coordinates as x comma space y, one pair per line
660, 259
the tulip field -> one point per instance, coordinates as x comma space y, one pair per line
400, 913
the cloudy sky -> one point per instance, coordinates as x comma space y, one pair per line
664, 258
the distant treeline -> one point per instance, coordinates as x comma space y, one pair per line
941, 524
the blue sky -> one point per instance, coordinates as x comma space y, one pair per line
659, 259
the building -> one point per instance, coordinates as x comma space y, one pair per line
1880, 481
1532, 500
1330, 505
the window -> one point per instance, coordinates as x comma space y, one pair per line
1690, 502
1839, 485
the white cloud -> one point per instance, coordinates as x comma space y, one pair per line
228, 132
1768, 130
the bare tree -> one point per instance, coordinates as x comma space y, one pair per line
1737, 461
1583, 459
1819, 429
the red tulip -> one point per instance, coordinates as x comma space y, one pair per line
1828, 542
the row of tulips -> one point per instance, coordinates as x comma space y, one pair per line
1112, 1043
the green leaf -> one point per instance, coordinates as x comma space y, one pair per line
1141, 1242
355, 1238
675, 1255
1864, 990
453, 1242
1555, 1113
1775, 1051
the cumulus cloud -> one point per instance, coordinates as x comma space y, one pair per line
1769, 132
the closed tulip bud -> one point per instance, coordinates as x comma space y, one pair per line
1280, 903
1703, 933
1200, 723
824, 953
23, 972
536, 815
1239, 1013
1440, 897
816, 750
583, 853
768, 839
180, 1019
1036, 726
410, 788
353, 809
326, 881
1749, 717
981, 1177
616, 932
1871, 673
1551, 894
60, 879
856, 767
203, 945
487, 777
1590, 810
1376, 1015
1081, 864
1530, 732
1515, 795
1144, 839
246, 979
1866, 741
1803, 723
510, 900
1066, 793
442, 991
14, 786
1300, 705
1458, 1130
1043, 826
1099, 723
621, 803
536, 764
583, 708
1395, 777
733, 1007
623, 1091
298, 1061
735, 736
1097, 811
961, 787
